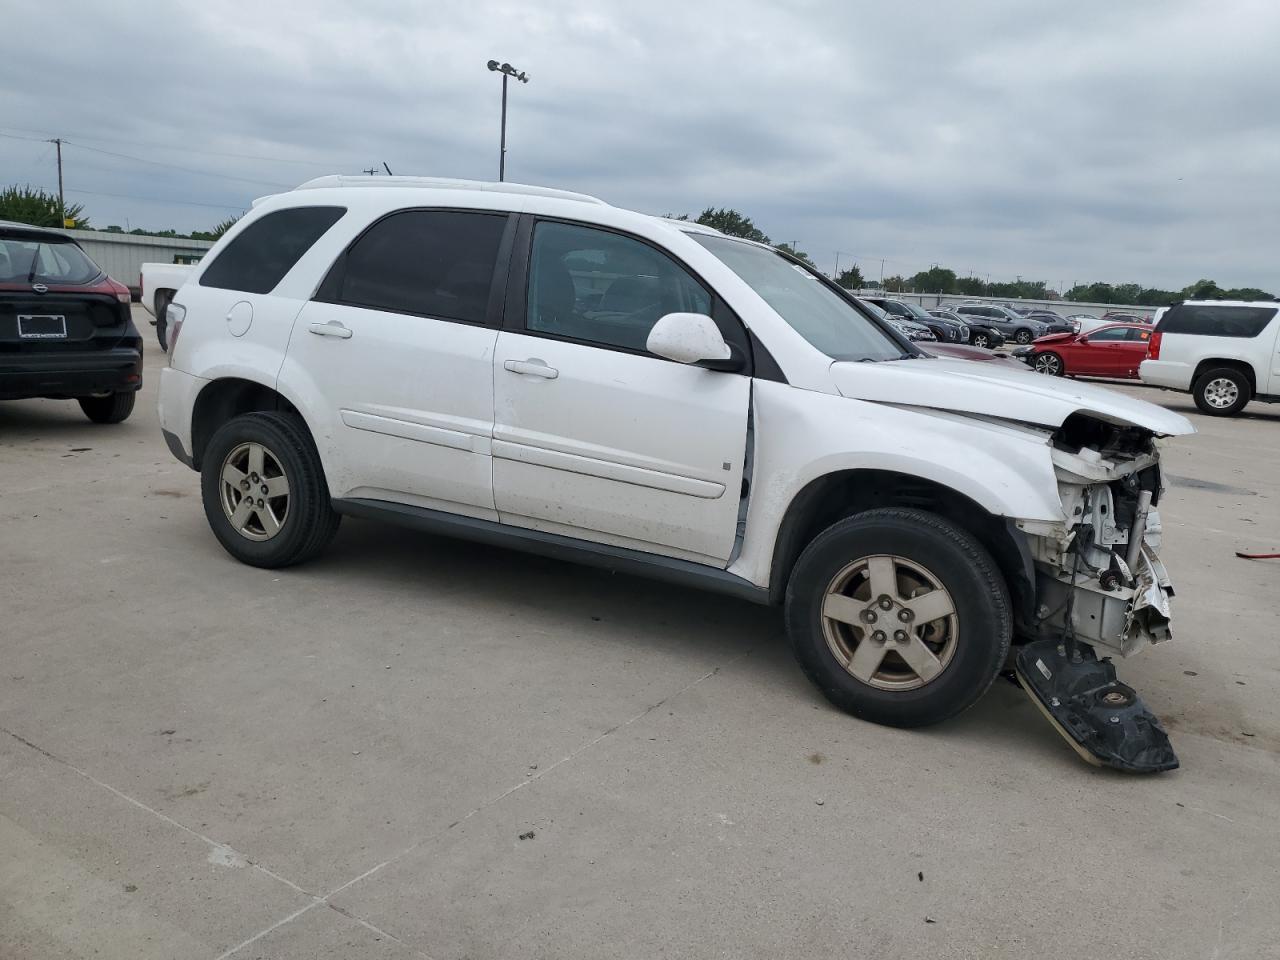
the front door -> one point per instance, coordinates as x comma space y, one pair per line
396, 354
1107, 354
596, 438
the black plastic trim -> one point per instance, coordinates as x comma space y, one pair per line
175, 447
616, 559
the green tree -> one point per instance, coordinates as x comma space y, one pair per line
1247, 293
894, 284
798, 254
934, 280
731, 222
220, 228
971, 286
851, 279
26, 204
1202, 290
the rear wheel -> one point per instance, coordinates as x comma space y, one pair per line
1049, 364
1222, 393
264, 491
898, 617
1023, 336
113, 408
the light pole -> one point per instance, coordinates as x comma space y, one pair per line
507, 70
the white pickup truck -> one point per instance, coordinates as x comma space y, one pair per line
159, 282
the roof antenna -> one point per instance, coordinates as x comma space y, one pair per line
388, 169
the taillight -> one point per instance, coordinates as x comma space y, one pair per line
1153, 346
174, 314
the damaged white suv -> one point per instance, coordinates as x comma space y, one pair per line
540, 369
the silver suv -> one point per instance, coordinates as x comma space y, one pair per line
1020, 329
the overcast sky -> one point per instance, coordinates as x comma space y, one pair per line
1069, 142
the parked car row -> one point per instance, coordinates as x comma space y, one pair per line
1224, 353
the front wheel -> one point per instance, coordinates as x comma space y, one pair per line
898, 616
1222, 393
264, 491
1023, 336
1050, 364
980, 340
113, 408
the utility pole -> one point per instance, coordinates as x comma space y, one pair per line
62, 203
882, 273
507, 70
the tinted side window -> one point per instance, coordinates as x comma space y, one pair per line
437, 263
263, 252
1212, 321
1111, 333
604, 288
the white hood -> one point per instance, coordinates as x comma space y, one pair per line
997, 390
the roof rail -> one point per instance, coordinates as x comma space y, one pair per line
443, 183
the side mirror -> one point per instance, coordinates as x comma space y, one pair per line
689, 338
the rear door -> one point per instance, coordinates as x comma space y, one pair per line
1107, 353
394, 358
594, 437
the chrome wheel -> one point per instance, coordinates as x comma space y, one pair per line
254, 491
890, 622
1221, 393
1048, 363
981, 340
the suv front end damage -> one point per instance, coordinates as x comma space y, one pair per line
1101, 591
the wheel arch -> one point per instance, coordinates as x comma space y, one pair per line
228, 397
844, 493
1228, 363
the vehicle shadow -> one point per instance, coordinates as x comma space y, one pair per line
676, 620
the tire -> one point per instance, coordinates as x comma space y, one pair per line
980, 340
1022, 336
1223, 392
968, 646
162, 324
113, 408
1048, 363
303, 517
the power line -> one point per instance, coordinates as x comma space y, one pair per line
171, 166
171, 148
187, 203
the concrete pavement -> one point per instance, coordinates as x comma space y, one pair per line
203, 760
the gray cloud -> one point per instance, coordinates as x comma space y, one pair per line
1070, 142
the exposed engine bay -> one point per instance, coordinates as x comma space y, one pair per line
1101, 591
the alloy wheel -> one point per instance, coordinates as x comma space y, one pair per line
254, 491
1221, 393
1048, 363
890, 622
981, 340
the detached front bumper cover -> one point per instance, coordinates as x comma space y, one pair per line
1103, 719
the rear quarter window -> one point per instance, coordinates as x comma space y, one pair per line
1212, 321
259, 256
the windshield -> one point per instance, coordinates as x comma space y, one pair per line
918, 312
823, 317
37, 261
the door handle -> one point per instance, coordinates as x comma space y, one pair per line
331, 329
533, 367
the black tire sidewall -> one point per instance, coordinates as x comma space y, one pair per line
1241, 382
309, 503
950, 554
1022, 337
1061, 370
114, 408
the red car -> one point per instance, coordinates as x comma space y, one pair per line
1111, 351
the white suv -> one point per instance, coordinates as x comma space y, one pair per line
1225, 352
540, 369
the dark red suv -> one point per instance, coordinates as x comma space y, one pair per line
65, 326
